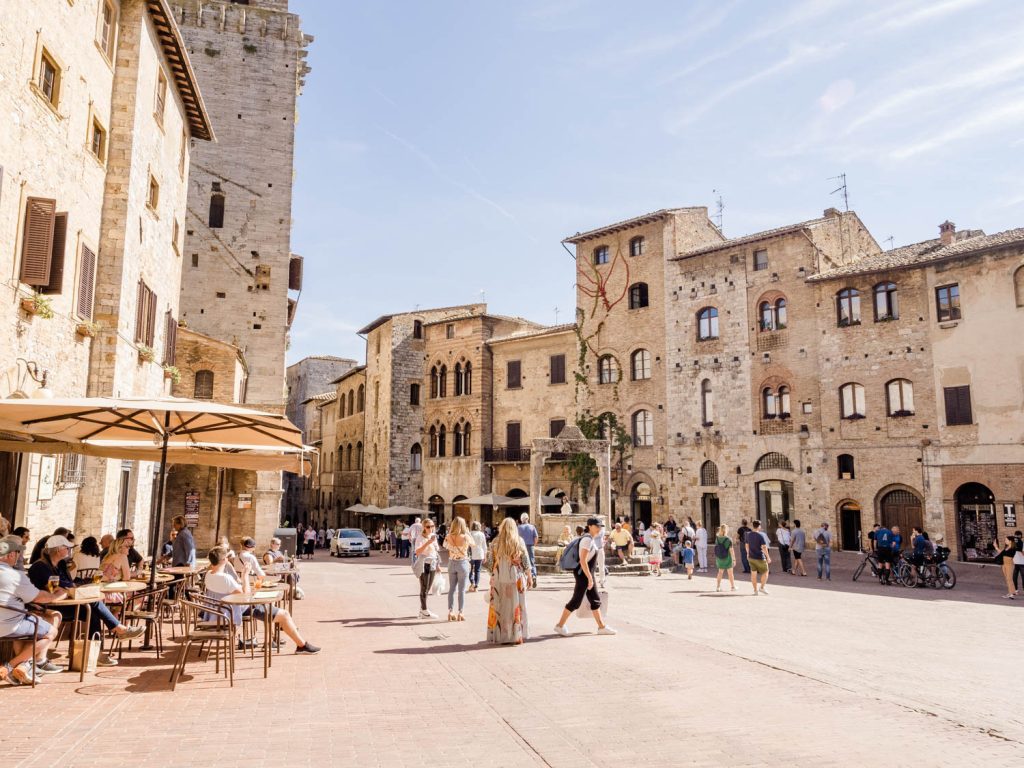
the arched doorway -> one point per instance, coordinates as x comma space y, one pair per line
850, 526
975, 521
515, 512
436, 506
709, 513
774, 503
461, 509
902, 508
641, 505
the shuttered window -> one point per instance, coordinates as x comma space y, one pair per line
145, 316
555, 427
558, 369
512, 436
170, 337
514, 375
37, 245
958, 405
60, 239
87, 284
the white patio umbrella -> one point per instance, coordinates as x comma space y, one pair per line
167, 430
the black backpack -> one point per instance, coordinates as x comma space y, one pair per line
721, 550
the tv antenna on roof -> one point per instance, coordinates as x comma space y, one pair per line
890, 240
719, 209
556, 315
841, 178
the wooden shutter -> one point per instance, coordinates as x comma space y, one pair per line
60, 237
170, 337
37, 246
958, 405
512, 436
86, 284
140, 312
151, 320
558, 369
514, 378
295, 274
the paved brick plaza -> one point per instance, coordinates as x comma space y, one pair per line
810, 674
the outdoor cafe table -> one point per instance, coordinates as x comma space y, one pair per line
161, 578
179, 570
78, 604
265, 597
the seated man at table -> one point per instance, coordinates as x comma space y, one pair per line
15, 592
247, 557
167, 551
53, 567
220, 584
274, 556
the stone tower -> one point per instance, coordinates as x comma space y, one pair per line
238, 269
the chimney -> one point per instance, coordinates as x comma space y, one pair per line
947, 231
831, 213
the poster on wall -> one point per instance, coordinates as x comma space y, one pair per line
47, 472
1009, 515
245, 501
192, 508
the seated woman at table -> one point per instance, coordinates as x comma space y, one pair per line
116, 568
220, 584
52, 568
88, 555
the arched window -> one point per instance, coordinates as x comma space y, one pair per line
709, 473
601, 254
784, 412
637, 295
766, 316
773, 460
216, 211
851, 401
458, 381
341, 456
707, 324
636, 246
415, 458
467, 379
780, 314
442, 436
434, 381
348, 456
640, 365
414, 394
607, 370
769, 403
844, 466
417, 331
887, 305
848, 307
360, 399
359, 455
203, 389
899, 395
467, 443
1018, 286
643, 428
433, 442
707, 403
351, 402
457, 440
442, 381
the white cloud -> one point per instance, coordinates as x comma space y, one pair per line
927, 12
837, 95
1006, 115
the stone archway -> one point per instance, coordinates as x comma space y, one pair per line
569, 441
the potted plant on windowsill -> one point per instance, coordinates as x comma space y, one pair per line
88, 329
37, 304
146, 354
171, 372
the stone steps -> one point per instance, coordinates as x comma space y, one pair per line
635, 566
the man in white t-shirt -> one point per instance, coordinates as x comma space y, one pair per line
415, 531
785, 538
15, 591
220, 584
701, 541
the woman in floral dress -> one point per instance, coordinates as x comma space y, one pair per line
506, 615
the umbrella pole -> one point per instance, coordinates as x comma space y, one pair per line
158, 523
220, 499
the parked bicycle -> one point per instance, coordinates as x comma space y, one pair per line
933, 572
897, 573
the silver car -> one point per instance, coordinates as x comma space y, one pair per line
350, 541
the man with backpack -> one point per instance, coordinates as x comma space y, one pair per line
581, 557
823, 549
741, 534
797, 547
757, 555
883, 544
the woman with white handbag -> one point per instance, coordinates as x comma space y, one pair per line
427, 559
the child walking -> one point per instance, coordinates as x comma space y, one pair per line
655, 548
688, 558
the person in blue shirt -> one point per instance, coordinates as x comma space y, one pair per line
917, 540
883, 544
528, 533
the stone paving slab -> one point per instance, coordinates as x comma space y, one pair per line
695, 677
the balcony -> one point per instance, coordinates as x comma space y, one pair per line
518, 455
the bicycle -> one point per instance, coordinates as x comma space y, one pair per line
869, 559
932, 573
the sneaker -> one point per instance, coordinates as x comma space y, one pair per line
764, 591
606, 630
561, 631
718, 589
309, 648
424, 614
299, 594
24, 674
106, 660
48, 668
130, 633
431, 614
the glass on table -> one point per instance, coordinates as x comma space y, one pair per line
97, 577
53, 584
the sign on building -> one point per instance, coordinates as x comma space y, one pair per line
245, 501
192, 508
1009, 516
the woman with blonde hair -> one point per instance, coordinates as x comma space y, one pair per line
723, 557
510, 576
115, 567
457, 543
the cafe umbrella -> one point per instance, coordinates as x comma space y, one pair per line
164, 430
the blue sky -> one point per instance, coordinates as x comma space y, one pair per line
446, 148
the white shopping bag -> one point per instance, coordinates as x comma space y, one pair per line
584, 611
440, 585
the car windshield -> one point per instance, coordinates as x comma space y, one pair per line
348, 533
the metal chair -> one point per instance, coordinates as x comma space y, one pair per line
8, 641
145, 607
218, 628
